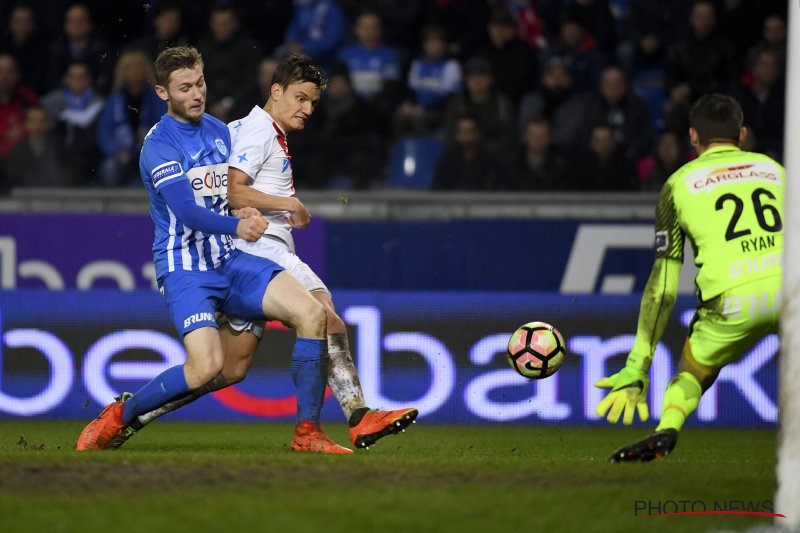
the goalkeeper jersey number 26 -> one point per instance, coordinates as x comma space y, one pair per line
729, 203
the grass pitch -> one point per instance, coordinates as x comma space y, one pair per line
243, 477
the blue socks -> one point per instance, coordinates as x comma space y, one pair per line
309, 377
166, 387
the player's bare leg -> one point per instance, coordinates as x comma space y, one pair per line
680, 400
239, 348
204, 363
367, 426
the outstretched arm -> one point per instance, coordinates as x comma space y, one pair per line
657, 302
629, 385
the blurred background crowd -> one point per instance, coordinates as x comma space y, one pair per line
439, 94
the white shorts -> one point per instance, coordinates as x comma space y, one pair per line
278, 251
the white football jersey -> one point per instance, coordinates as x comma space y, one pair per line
259, 149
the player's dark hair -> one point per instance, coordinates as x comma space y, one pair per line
716, 117
176, 58
298, 68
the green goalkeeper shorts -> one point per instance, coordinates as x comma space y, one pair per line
724, 327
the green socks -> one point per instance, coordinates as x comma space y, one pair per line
680, 400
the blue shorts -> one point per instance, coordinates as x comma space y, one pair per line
236, 288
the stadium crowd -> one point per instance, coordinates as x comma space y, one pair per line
489, 94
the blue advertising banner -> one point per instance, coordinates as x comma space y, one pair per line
65, 354
87, 251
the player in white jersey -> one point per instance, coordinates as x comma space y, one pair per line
260, 175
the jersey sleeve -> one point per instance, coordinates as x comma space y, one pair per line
669, 234
249, 149
162, 163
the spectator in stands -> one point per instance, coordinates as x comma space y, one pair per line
671, 153
401, 21
73, 110
773, 38
231, 61
374, 67
649, 33
559, 103
257, 90
596, 18
492, 109
37, 161
701, 64
432, 78
15, 99
466, 164
464, 21
540, 165
344, 141
513, 61
604, 167
131, 110
578, 51
740, 21
763, 104
530, 25
617, 105
79, 42
317, 29
167, 31
24, 43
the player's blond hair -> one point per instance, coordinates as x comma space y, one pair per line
176, 58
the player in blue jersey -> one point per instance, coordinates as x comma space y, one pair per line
184, 168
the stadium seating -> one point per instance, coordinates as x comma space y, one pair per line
649, 85
413, 162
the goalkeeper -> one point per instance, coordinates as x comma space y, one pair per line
729, 203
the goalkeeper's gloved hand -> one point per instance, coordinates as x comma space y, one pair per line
628, 393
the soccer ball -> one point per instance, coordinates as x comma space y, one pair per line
536, 350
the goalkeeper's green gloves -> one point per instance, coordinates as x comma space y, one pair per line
628, 394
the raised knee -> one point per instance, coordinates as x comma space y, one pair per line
313, 319
318, 315
335, 322
207, 369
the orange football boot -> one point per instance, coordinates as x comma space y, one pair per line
375, 425
309, 438
102, 430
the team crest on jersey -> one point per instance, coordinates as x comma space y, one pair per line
221, 146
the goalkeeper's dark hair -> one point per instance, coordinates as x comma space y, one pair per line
298, 68
717, 118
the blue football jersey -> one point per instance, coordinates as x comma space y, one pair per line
198, 153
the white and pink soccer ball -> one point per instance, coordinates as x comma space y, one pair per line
536, 350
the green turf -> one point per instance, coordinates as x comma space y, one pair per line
242, 477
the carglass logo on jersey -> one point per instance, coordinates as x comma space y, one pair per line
721, 176
209, 180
